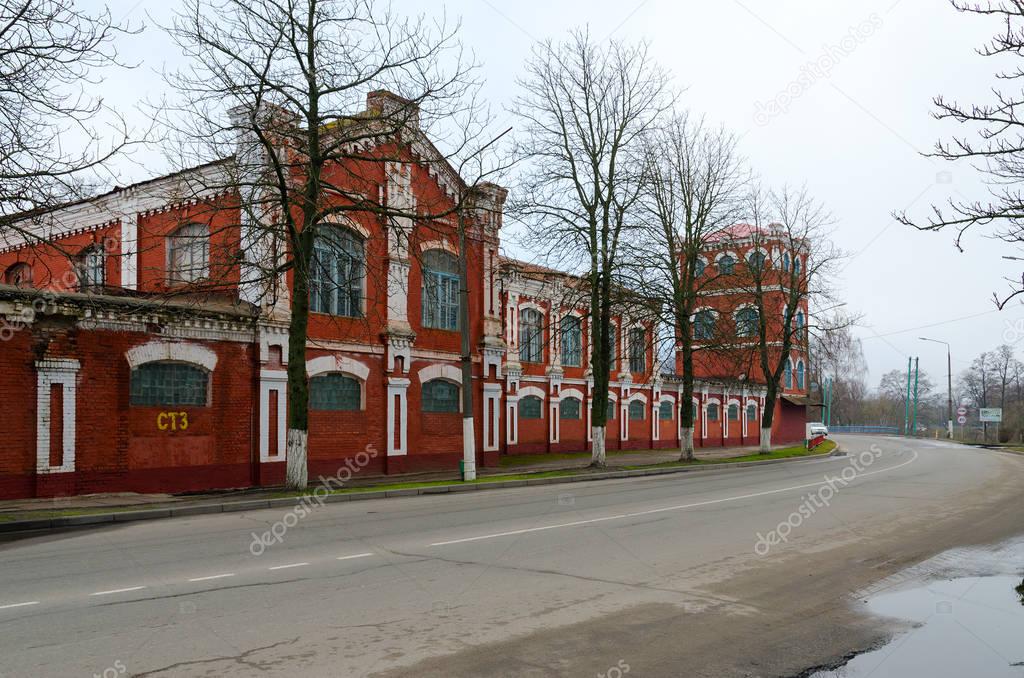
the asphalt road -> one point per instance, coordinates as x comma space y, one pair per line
659, 576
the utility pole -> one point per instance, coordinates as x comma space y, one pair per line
906, 408
949, 381
828, 402
916, 373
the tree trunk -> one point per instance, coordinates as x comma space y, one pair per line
598, 456
297, 472
296, 475
686, 444
766, 440
468, 428
767, 419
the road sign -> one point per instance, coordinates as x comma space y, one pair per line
962, 411
991, 414
961, 420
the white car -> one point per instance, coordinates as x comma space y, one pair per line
818, 429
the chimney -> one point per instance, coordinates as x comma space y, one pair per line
402, 112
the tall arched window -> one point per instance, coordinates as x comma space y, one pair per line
756, 261
440, 396
168, 383
572, 341
789, 373
335, 392
19, 275
746, 322
800, 324
785, 262
704, 324
699, 267
638, 350
337, 272
91, 268
637, 410
531, 336
800, 375
188, 257
666, 410
726, 265
440, 290
796, 265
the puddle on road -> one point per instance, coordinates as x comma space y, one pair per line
964, 625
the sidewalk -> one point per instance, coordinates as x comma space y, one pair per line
514, 471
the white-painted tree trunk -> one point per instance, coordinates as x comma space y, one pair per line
297, 472
766, 440
686, 444
598, 455
468, 450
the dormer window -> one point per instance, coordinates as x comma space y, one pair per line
188, 258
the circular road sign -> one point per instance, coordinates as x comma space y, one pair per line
962, 420
962, 411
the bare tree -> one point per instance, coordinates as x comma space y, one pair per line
997, 147
794, 226
585, 110
274, 93
56, 140
696, 181
837, 356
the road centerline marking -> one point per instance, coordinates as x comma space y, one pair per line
213, 576
358, 555
665, 509
14, 605
285, 567
113, 591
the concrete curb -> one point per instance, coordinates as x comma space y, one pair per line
287, 502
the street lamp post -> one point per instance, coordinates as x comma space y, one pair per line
949, 377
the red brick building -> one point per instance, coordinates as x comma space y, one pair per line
137, 354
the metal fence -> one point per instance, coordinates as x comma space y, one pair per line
871, 430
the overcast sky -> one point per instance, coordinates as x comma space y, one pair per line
854, 136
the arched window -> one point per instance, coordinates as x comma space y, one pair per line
712, 411
337, 272
756, 261
91, 268
335, 392
530, 407
785, 262
638, 350
440, 396
637, 410
666, 409
796, 265
800, 375
734, 412
699, 267
800, 323
789, 373
726, 265
19, 275
168, 383
569, 409
746, 322
188, 254
572, 341
751, 412
531, 336
704, 325
440, 290
611, 409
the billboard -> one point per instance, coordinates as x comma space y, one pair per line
990, 414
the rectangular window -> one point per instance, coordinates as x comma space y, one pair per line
734, 412
637, 410
167, 383
531, 336
441, 306
572, 341
334, 392
569, 409
638, 350
611, 409
665, 410
751, 412
530, 408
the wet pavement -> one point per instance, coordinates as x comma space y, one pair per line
959, 626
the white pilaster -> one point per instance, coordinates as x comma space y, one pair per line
273, 380
130, 251
398, 415
52, 371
